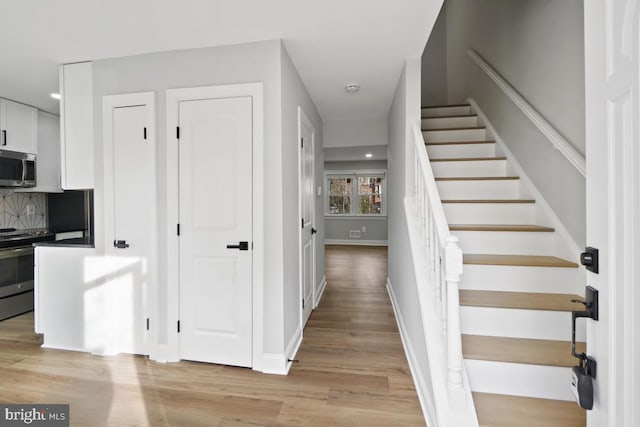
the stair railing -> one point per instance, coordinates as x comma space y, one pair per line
444, 260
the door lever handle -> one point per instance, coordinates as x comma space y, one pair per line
243, 246
313, 230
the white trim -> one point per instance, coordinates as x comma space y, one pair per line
356, 242
558, 141
109, 104
572, 250
355, 173
174, 96
275, 364
418, 376
292, 348
321, 287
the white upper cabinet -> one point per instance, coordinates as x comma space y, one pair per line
18, 126
76, 126
48, 158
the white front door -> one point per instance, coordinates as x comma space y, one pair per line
215, 174
612, 49
130, 216
307, 210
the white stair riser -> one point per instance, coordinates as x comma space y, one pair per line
461, 150
515, 323
489, 213
455, 135
472, 168
498, 189
449, 122
520, 279
546, 382
506, 242
446, 111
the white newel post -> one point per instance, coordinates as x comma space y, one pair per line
453, 270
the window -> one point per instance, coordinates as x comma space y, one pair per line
355, 193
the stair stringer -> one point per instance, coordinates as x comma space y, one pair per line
566, 247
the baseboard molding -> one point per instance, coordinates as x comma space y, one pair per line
274, 364
417, 375
320, 291
293, 347
357, 242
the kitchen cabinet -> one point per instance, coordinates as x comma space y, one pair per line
48, 158
76, 126
18, 126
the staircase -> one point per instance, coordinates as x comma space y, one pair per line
517, 282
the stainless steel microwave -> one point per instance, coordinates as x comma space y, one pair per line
17, 169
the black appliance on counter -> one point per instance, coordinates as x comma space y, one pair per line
16, 269
71, 211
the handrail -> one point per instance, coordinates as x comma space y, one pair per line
444, 261
558, 141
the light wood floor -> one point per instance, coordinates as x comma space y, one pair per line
351, 371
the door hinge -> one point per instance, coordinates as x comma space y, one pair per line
303, 303
178, 326
178, 229
178, 132
147, 323
145, 133
301, 142
302, 222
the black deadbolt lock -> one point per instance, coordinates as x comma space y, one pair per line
589, 258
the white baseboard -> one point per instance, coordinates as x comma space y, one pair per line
320, 291
417, 375
274, 364
293, 347
356, 242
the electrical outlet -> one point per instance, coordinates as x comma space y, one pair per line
364, 229
31, 210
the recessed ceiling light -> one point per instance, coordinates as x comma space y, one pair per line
352, 88
55, 95
368, 155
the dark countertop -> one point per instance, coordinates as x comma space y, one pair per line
80, 242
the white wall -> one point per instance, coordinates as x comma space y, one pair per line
255, 62
434, 64
405, 109
349, 133
295, 94
538, 47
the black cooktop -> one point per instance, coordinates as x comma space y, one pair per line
10, 237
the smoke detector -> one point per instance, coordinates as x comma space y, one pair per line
352, 88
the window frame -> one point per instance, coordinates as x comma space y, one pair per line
355, 195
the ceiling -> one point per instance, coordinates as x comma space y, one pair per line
341, 154
331, 42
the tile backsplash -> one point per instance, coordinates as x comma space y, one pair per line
14, 210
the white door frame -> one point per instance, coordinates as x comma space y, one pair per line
109, 103
174, 96
303, 119
612, 98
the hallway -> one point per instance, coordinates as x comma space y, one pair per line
352, 370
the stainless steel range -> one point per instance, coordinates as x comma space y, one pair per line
16, 269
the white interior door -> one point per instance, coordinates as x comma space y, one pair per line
215, 173
307, 210
612, 49
133, 191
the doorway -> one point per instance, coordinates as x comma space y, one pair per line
306, 184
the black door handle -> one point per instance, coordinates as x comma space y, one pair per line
313, 230
120, 244
4, 137
243, 246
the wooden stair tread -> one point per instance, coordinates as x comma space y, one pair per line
518, 260
467, 159
501, 227
426, 107
478, 178
436, 144
447, 129
520, 350
489, 201
499, 410
457, 116
519, 300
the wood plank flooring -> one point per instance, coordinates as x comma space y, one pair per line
352, 370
